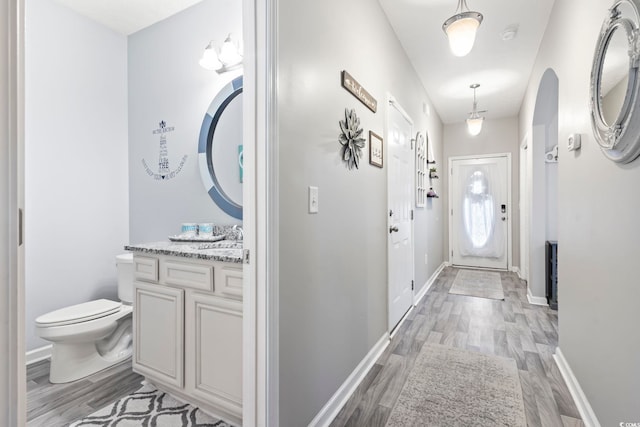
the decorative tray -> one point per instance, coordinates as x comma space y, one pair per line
180, 238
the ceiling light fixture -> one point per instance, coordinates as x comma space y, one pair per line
461, 29
475, 120
228, 59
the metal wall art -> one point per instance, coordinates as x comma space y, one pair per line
356, 89
351, 139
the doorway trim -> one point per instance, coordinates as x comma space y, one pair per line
393, 103
12, 368
524, 207
509, 203
261, 201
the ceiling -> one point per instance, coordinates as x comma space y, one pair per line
128, 16
502, 68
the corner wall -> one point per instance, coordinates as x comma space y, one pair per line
333, 265
76, 181
497, 136
166, 83
598, 232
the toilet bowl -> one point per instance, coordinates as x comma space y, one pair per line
91, 336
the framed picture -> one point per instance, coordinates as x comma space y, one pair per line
375, 149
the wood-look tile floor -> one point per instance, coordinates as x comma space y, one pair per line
510, 328
58, 405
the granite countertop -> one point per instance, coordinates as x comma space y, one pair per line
224, 250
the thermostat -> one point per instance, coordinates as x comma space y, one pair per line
574, 142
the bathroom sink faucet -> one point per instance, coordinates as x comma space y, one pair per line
240, 232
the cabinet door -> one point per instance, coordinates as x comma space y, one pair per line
213, 348
158, 333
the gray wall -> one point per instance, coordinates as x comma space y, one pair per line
333, 274
167, 83
497, 136
76, 183
599, 237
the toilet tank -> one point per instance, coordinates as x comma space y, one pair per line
124, 263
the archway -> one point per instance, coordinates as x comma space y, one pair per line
541, 182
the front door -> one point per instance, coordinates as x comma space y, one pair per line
400, 232
479, 212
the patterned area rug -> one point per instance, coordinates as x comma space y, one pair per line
149, 407
483, 284
454, 387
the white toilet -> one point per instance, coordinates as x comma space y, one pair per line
91, 336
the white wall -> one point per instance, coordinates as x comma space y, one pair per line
333, 274
76, 183
167, 83
598, 233
497, 136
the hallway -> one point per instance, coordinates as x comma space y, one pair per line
511, 328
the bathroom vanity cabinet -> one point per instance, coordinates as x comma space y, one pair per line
187, 331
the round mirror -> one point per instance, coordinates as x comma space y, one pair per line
220, 149
614, 76
614, 84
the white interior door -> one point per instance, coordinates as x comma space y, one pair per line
400, 233
480, 212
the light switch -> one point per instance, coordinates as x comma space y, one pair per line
313, 200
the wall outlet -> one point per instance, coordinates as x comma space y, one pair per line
313, 200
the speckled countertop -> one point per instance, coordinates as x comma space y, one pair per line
224, 250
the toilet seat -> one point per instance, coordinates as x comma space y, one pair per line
79, 313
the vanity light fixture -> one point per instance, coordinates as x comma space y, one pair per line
461, 29
229, 58
475, 120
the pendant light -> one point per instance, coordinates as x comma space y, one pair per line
475, 120
461, 29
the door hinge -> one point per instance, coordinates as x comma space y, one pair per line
451, 212
451, 253
412, 214
412, 285
245, 256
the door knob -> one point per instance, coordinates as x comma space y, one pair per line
504, 218
393, 228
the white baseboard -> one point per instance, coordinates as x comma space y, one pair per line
38, 354
516, 270
337, 401
535, 300
584, 407
428, 284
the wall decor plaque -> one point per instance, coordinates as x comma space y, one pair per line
356, 89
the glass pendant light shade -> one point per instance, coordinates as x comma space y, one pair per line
461, 29
229, 54
474, 125
209, 59
462, 35
475, 120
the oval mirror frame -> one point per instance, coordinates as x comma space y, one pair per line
620, 140
205, 150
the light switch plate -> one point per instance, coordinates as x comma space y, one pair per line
313, 200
